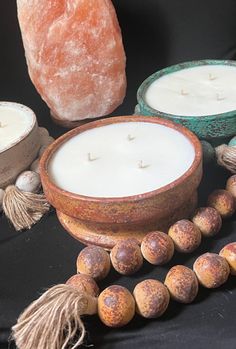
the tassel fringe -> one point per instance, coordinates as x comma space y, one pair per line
53, 321
23, 209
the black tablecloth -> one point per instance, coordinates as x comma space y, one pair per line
156, 33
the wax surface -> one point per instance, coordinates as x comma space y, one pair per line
116, 151
15, 123
197, 91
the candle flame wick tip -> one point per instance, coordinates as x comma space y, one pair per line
212, 77
141, 165
219, 97
131, 138
91, 158
183, 92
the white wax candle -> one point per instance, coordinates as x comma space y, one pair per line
15, 123
121, 159
196, 91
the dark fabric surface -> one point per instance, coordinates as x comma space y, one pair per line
156, 33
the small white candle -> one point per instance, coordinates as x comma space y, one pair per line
121, 159
195, 91
15, 123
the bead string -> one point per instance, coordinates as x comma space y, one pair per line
115, 305
158, 247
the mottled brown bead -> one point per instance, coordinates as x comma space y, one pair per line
185, 235
229, 253
157, 248
126, 257
223, 202
211, 269
116, 306
208, 220
182, 284
231, 185
94, 261
152, 298
84, 283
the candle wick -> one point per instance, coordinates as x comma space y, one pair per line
141, 165
219, 98
184, 93
91, 158
212, 77
131, 138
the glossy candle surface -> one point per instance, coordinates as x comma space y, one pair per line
121, 159
197, 91
15, 123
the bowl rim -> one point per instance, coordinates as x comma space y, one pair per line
27, 110
171, 69
48, 153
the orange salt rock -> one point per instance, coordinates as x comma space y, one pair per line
75, 55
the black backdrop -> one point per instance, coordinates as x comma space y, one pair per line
156, 33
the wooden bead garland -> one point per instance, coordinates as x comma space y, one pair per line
116, 305
24, 203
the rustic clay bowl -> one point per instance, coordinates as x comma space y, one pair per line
104, 221
20, 155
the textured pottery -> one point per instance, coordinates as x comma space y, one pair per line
19, 156
102, 221
214, 128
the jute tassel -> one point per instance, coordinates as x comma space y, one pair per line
53, 321
23, 209
226, 157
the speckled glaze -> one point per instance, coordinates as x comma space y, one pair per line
214, 128
20, 155
116, 306
103, 221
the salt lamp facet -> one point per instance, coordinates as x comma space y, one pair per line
75, 55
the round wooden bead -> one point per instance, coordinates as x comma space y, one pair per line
223, 202
116, 306
2, 192
84, 283
46, 141
211, 269
229, 253
94, 261
185, 235
35, 166
208, 152
43, 132
231, 186
28, 181
157, 248
152, 298
126, 257
182, 284
208, 220
41, 151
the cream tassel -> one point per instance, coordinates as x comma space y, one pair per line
23, 209
53, 321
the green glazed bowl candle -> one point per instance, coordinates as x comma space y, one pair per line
200, 95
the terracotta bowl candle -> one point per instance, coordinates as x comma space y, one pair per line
122, 177
199, 95
19, 140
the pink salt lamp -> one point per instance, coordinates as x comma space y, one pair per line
75, 56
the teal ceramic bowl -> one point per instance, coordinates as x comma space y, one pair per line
214, 128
